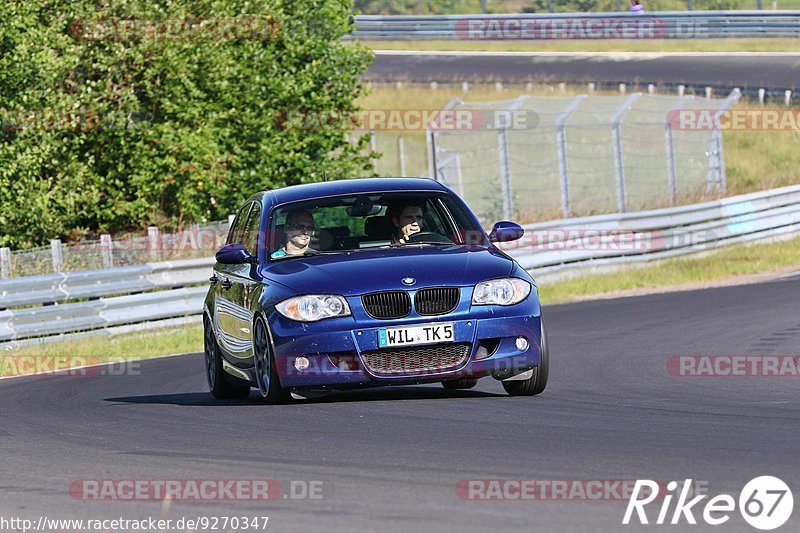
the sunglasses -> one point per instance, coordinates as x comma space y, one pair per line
300, 227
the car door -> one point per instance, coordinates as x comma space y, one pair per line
231, 319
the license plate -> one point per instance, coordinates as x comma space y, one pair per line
427, 334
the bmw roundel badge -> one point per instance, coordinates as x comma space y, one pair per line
409, 281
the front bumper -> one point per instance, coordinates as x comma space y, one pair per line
488, 332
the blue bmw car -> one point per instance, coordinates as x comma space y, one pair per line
368, 282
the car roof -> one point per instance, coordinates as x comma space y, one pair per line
353, 186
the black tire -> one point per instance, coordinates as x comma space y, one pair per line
460, 383
218, 382
538, 381
267, 380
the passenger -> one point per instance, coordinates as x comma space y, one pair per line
408, 219
297, 234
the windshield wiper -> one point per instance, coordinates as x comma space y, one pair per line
418, 243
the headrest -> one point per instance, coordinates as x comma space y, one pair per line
378, 227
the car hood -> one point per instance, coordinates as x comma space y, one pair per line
364, 271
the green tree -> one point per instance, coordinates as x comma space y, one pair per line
139, 128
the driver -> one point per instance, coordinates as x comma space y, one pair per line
408, 219
297, 234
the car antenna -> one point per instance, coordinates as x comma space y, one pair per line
324, 175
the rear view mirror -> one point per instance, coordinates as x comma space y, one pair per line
234, 254
505, 231
363, 207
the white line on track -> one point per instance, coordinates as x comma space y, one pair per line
609, 55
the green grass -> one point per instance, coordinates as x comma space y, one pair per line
95, 350
724, 265
617, 45
760, 160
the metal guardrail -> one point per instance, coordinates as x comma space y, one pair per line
547, 249
567, 26
93, 284
102, 313
554, 247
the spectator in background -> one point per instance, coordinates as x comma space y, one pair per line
636, 7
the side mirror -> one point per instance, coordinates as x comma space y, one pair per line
235, 254
505, 231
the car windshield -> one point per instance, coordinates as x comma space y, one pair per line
368, 221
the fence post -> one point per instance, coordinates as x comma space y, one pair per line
430, 140
505, 155
505, 172
716, 160
619, 166
561, 148
373, 147
459, 175
401, 151
722, 179
57, 255
107, 249
153, 244
669, 146
5, 263
672, 179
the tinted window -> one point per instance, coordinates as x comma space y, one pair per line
235, 235
250, 239
357, 222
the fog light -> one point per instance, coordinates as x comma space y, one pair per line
482, 352
522, 344
301, 363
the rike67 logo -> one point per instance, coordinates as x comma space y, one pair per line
765, 503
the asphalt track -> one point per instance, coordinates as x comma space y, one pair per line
390, 459
748, 71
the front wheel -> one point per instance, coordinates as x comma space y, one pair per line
538, 381
269, 384
220, 388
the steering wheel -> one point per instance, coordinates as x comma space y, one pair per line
428, 236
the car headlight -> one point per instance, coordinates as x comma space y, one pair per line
313, 307
505, 291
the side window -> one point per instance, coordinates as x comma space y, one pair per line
250, 239
237, 228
